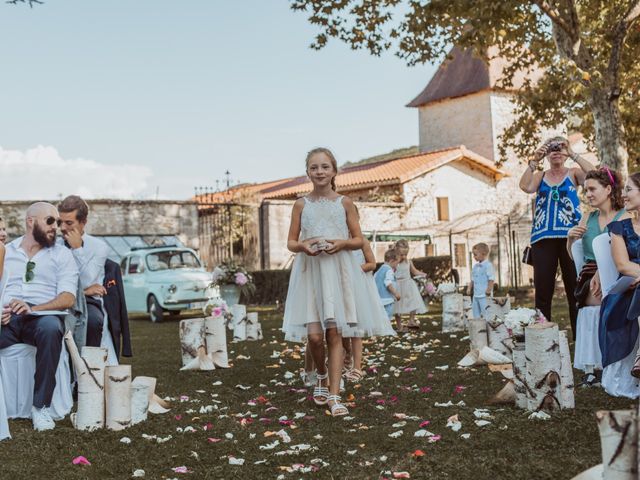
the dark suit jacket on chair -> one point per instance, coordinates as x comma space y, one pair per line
116, 307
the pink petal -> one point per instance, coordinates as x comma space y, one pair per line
214, 440
425, 423
80, 461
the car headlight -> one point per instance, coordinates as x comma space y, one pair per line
172, 289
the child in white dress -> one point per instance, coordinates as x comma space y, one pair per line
375, 319
410, 300
326, 296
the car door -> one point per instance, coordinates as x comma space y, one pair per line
134, 284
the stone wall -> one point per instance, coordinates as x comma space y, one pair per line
123, 217
458, 121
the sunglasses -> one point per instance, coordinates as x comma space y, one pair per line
29, 274
555, 195
51, 220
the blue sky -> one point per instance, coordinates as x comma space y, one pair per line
127, 97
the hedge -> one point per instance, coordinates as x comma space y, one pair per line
272, 285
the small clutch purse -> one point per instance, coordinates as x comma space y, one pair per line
527, 256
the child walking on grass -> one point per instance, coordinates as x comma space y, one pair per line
410, 301
326, 288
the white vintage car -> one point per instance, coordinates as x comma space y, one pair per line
164, 279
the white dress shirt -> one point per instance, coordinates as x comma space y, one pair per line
90, 259
55, 272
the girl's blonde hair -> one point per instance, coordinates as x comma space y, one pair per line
332, 159
401, 244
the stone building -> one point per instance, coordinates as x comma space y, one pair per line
445, 199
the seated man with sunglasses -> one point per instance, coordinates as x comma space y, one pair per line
41, 276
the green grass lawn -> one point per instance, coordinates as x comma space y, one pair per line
229, 421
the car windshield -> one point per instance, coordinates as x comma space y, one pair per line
171, 260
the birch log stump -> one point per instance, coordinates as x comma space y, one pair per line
140, 390
452, 313
216, 341
239, 313
499, 338
497, 308
192, 343
567, 399
467, 310
542, 352
156, 404
519, 375
118, 397
89, 370
478, 339
619, 442
254, 330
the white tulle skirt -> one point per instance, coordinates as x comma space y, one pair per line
617, 379
330, 291
587, 351
410, 299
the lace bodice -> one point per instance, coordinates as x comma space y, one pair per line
324, 218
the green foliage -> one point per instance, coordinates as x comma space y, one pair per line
587, 49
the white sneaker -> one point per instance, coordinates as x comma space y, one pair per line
42, 419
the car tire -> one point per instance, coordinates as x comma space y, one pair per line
155, 309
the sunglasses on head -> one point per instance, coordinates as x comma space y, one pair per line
51, 220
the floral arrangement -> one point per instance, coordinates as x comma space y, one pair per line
445, 288
217, 307
228, 273
425, 286
516, 320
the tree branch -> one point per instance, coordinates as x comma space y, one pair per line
31, 2
621, 30
555, 17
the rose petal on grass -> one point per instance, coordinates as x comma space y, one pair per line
81, 460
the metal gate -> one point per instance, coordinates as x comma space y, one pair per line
224, 228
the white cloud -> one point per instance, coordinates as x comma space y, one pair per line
41, 173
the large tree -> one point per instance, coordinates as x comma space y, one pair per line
587, 50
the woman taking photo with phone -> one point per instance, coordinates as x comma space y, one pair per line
556, 211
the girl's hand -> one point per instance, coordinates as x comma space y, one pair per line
337, 246
307, 247
576, 232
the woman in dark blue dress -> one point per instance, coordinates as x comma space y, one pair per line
619, 312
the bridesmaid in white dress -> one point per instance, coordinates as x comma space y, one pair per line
326, 296
411, 301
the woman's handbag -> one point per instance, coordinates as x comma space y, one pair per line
527, 256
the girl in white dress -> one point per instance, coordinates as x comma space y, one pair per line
326, 290
410, 300
375, 318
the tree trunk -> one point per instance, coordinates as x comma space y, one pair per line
254, 330
499, 338
619, 442
542, 352
519, 375
192, 343
478, 338
216, 341
594, 473
452, 313
239, 322
566, 373
118, 397
497, 307
89, 370
467, 310
156, 404
610, 137
140, 390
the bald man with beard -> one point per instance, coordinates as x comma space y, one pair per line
40, 276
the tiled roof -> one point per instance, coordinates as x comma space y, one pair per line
387, 172
466, 73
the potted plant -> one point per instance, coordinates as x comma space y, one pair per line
232, 280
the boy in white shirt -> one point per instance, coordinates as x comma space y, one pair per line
482, 279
